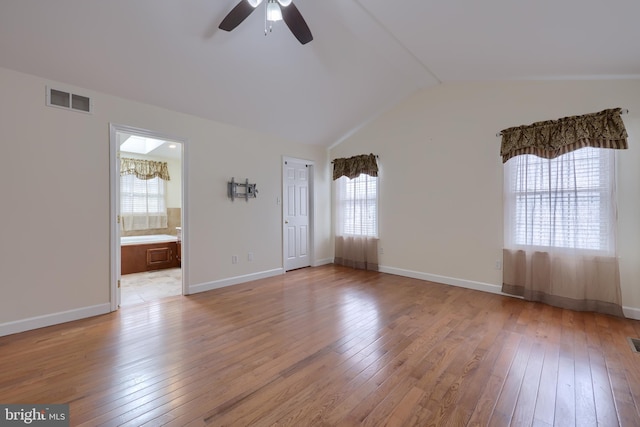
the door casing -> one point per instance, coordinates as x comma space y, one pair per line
311, 210
114, 202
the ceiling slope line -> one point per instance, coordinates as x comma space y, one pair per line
369, 119
578, 77
397, 41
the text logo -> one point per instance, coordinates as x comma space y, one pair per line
34, 415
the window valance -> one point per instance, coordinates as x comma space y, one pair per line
144, 169
552, 138
352, 167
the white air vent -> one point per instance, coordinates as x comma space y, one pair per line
70, 101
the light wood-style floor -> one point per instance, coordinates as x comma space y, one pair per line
332, 346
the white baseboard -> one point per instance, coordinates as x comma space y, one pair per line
43, 321
469, 284
319, 262
631, 312
203, 287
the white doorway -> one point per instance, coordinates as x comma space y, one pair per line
160, 252
297, 212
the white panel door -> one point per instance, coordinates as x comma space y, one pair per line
296, 215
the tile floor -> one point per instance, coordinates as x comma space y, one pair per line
137, 288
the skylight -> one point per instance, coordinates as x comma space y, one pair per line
140, 144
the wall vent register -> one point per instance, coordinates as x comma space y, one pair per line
70, 101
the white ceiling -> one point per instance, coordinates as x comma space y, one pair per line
366, 55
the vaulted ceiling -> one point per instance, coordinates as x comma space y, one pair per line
366, 55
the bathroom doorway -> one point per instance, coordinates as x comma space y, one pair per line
147, 216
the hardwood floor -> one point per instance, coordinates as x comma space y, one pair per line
332, 346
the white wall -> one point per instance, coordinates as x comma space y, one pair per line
174, 186
441, 175
55, 191
440, 201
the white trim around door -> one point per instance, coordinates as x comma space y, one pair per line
292, 241
114, 197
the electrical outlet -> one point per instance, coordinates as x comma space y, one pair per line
234, 259
381, 250
250, 256
498, 265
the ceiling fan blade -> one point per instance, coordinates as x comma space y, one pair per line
236, 16
296, 23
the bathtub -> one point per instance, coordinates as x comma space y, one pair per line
147, 253
143, 240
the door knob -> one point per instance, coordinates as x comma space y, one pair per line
286, 221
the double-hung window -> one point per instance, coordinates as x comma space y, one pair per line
560, 211
356, 211
143, 202
357, 206
566, 202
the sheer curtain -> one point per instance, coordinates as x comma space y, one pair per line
560, 211
356, 212
560, 230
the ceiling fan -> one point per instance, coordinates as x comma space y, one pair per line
276, 10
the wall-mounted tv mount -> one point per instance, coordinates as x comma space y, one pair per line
242, 190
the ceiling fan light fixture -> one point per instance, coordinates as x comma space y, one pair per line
273, 11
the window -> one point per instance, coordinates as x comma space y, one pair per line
142, 203
565, 202
357, 206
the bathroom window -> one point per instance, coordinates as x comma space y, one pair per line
143, 203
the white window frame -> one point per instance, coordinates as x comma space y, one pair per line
143, 216
591, 205
365, 220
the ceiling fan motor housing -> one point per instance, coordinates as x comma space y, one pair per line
280, 9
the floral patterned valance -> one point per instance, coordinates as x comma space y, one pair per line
352, 167
144, 169
552, 138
